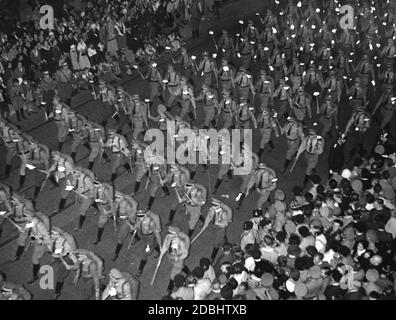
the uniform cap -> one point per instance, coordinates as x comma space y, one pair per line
173, 229
115, 274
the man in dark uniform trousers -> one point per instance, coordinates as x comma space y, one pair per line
64, 77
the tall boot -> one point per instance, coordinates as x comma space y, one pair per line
306, 179
201, 218
58, 290
190, 232
7, 171
217, 185
86, 145
260, 153
36, 192
205, 167
18, 115
22, 114
229, 174
240, 200
90, 165
214, 254
99, 235
191, 116
18, 253
186, 270
272, 146
73, 156
192, 174
171, 217
137, 186
113, 178
287, 162
141, 267
171, 285
36, 269
61, 205
60, 145
80, 222
117, 251
150, 202
166, 191
21, 182
127, 167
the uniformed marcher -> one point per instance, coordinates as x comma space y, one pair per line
177, 245
355, 131
295, 73
60, 115
219, 217
208, 70
185, 98
118, 146
87, 266
96, 136
196, 195
126, 210
267, 123
312, 146
283, 95
10, 136
334, 86
243, 83
48, 90
164, 118
171, 83
65, 82
122, 286
301, 105
244, 115
226, 45
24, 148
366, 71
5, 203
178, 177
148, 228
138, 116
17, 99
227, 109
107, 93
39, 162
82, 184
294, 135
226, 77
63, 244
387, 105
78, 131
357, 95
245, 51
329, 116
264, 178
155, 81
387, 77
186, 63
208, 97
105, 203
264, 88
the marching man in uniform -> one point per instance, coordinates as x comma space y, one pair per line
282, 93
356, 129
264, 88
329, 112
10, 136
48, 90
226, 45
122, 286
24, 148
186, 99
118, 146
334, 86
244, 114
62, 169
171, 81
227, 109
60, 115
312, 146
79, 132
220, 215
208, 97
208, 70
196, 195
82, 184
139, 116
87, 266
264, 178
357, 95
148, 228
267, 124
243, 83
39, 160
178, 177
226, 77
107, 94
65, 78
155, 80
96, 137
126, 209
177, 245
104, 202
301, 105
387, 103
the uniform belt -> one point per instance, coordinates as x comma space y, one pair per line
292, 139
116, 152
172, 85
243, 86
225, 80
